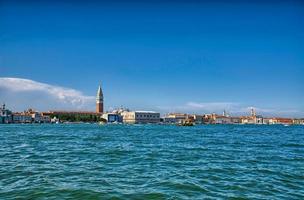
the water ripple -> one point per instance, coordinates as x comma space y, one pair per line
151, 162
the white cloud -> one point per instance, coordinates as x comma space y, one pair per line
212, 106
21, 93
201, 107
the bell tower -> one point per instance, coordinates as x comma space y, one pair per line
99, 100
252, 112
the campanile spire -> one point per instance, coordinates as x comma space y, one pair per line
99, 100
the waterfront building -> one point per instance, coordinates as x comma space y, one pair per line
298, 121
45, 118
174, 118
207, 119
37, 117
5, 115
197, 119
222, 120
283, 120
247, 120
273, 121
215, 118
99, 100
278, 120
30, 116
252, 119
212, 119
235, 120
225, 113
112, 117
258, 119
22, 117
266, 120
168, 120
140, 117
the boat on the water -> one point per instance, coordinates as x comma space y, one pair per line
186, 123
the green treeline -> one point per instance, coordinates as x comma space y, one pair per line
76, 117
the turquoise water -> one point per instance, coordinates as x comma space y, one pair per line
151, 162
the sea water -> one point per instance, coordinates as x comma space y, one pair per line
89, 161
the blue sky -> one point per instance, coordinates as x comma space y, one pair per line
166, 56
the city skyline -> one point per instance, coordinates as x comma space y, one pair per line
169, 57
62, 98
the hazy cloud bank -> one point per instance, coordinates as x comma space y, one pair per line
20, 94
232, 108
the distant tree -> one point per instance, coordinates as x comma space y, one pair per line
76, 117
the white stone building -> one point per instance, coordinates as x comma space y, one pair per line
173, 118
222, 120
140, 117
